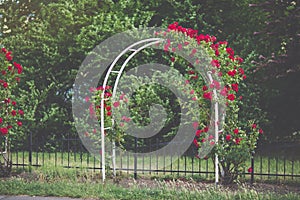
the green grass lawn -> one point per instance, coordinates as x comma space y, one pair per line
112, 191
50, 180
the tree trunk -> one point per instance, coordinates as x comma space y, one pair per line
226, 176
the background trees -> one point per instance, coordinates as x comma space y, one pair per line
52, 38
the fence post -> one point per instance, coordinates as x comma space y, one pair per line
252, 166
30, 151
135, 158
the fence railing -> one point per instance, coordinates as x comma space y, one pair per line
72, 154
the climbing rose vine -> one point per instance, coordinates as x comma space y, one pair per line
236, 141
10, 115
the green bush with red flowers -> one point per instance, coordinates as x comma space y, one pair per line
238, 139
10, 115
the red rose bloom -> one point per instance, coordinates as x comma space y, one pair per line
235, 87
4, 131
19, 123
198, 133
231, 73
241, 70
108, 108
196, 143
207, 95
215, 63
231, 97
206, 129
230, 51
116, 104
236, 131
250, 170
5, 85
224, 92
238, 140
3, 50
228, 137
13, 113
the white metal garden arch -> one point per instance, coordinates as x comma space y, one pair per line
135, 48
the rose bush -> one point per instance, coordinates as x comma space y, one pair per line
10, 115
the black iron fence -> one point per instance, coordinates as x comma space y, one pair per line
70, 153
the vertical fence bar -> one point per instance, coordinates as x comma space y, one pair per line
17, 158
293, 169
143, 164
135, 158
252, 166
192, 166
94, 165
68, 150
269, 163
284, 167
185, 165
261, 167
30, 151
128, 158
55, 158
23, 160
88, 159
43, 156
121, 160
157, 156
62, 149
178, 165
150, 158
37, 158
171, 163
199, 165
81, 155
206, 168
276, 168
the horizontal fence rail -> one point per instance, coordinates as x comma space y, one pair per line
70, 153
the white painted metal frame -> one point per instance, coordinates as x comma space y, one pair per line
149, 42
216, 118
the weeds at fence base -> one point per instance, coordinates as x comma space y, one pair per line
5, 168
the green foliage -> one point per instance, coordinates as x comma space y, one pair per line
10, 115
54, 37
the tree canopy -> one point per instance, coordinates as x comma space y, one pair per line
53, 37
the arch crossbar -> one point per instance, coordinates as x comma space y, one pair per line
145, 43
